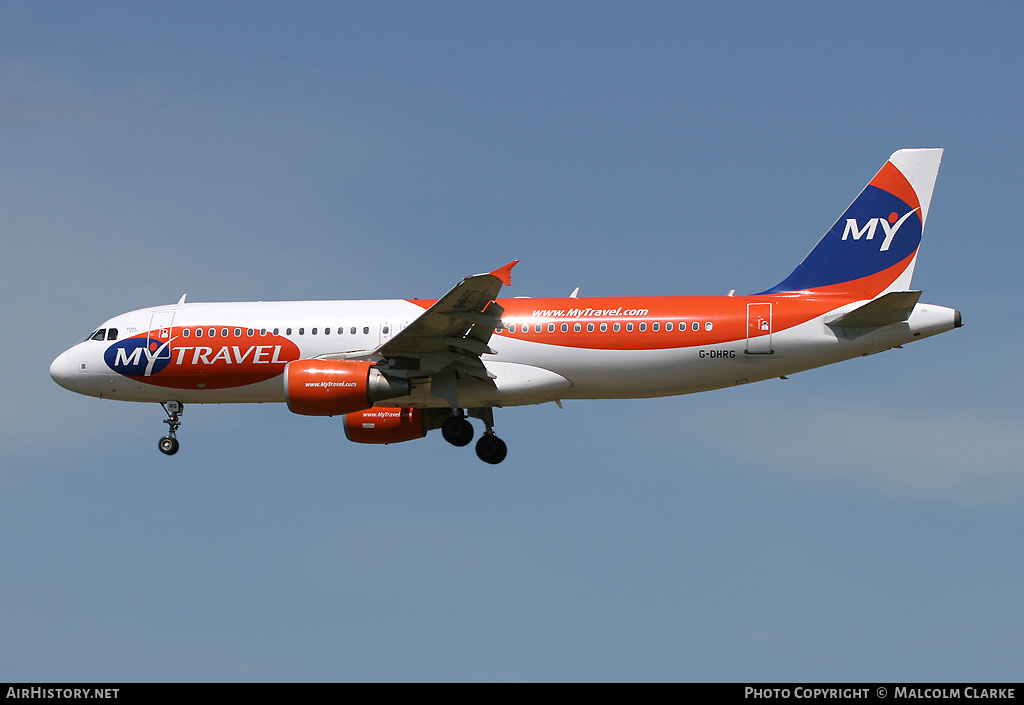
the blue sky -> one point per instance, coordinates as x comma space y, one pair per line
860, 522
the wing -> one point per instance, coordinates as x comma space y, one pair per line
453, 333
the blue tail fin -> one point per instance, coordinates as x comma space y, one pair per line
873, 247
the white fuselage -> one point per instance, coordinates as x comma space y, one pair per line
236, 352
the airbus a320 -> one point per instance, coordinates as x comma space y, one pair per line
396, 369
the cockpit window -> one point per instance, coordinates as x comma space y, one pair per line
111, 333
100, 334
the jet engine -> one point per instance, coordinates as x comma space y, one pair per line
388, 424
336, 387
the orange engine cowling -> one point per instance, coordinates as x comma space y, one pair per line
385, 425
392, 425
336, 387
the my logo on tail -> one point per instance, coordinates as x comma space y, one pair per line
890, 227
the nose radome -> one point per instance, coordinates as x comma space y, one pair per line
61, 369
57, 368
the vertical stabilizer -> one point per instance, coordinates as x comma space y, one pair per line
873, 246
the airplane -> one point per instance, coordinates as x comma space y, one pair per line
397, 369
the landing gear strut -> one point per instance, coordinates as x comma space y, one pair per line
169, 444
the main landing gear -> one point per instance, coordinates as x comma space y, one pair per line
458, 431
490, 448
169, 444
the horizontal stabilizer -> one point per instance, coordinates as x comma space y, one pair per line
894, 307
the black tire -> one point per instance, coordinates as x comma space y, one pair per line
168, 445
457, 431
491, 449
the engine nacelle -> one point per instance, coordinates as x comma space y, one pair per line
384, 425
392, 425
336, 387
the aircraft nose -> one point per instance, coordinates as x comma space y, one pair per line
61, 369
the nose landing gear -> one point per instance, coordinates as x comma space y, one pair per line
169, 444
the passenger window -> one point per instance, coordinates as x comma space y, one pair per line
327, 331
100, 334
213, 332
565, 327
616, 327
512, 328
341, 331
263, 331
643, 327
385, 330
238, 332
696, 326
302, 331
112, 334
536, 328
668, 326
604, 327
353, 331
185, 333
576, 327
551, 327
276, 331
366, 330
709, 325
590, 327
314, 331
224, 332
629, 327
199, 332
655, 326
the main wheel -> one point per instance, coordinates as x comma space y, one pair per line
457, 431
491, 449
168, 445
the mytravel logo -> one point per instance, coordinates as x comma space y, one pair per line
138, 357
890, 226
170, 359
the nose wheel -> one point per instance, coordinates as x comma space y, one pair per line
169, 444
